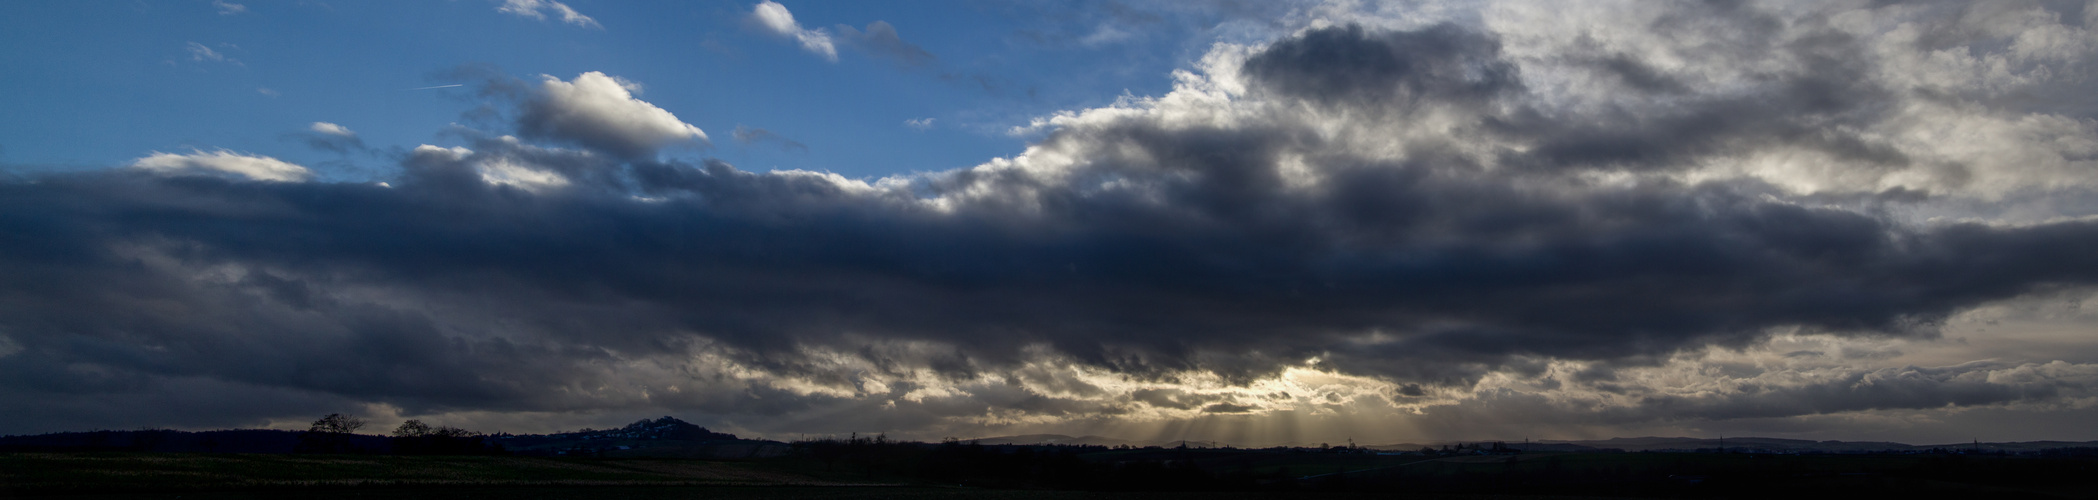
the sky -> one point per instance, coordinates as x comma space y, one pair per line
1258, 223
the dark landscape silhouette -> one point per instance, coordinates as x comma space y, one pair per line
668, 452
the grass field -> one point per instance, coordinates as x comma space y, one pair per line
193, 476
50, 473
745, 493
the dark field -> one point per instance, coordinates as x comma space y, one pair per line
737, 493
82, 472
964, 472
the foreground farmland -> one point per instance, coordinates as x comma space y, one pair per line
948, 471
50, 473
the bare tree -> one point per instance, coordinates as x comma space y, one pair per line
412, 428
330, 434
337, 423
414, 437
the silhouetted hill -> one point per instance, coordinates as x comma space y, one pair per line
665, 437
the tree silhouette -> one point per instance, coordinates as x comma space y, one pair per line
414, 437
330, 434
412, 428
337, 423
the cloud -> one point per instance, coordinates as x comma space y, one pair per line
331, 129
332, 137
1894, 388
200, 53
754, 135
1106, 34
261, 168
1714, 389
1475, 225
919, 123
1443, 64
538, 9
600, 112
228, 8
775, 18
881, 39
266, 91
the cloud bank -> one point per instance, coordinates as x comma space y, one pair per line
1610, 216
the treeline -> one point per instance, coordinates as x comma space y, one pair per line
337, 433
334, 433
1026, 466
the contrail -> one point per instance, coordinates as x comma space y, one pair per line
440, 86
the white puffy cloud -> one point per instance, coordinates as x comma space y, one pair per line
774, 17
600, 112
439, 153
332, 137
261, 168
505, 172
331, 129
428, 152
538, 9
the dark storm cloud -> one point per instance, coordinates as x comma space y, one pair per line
1640, 76
1893, 388
1901, 388
1818, 107
1351, 66
1978, 385
1450, 66
161, 403
1171, 398
1169, 248
1224, 265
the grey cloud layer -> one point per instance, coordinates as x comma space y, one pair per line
1145, 244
